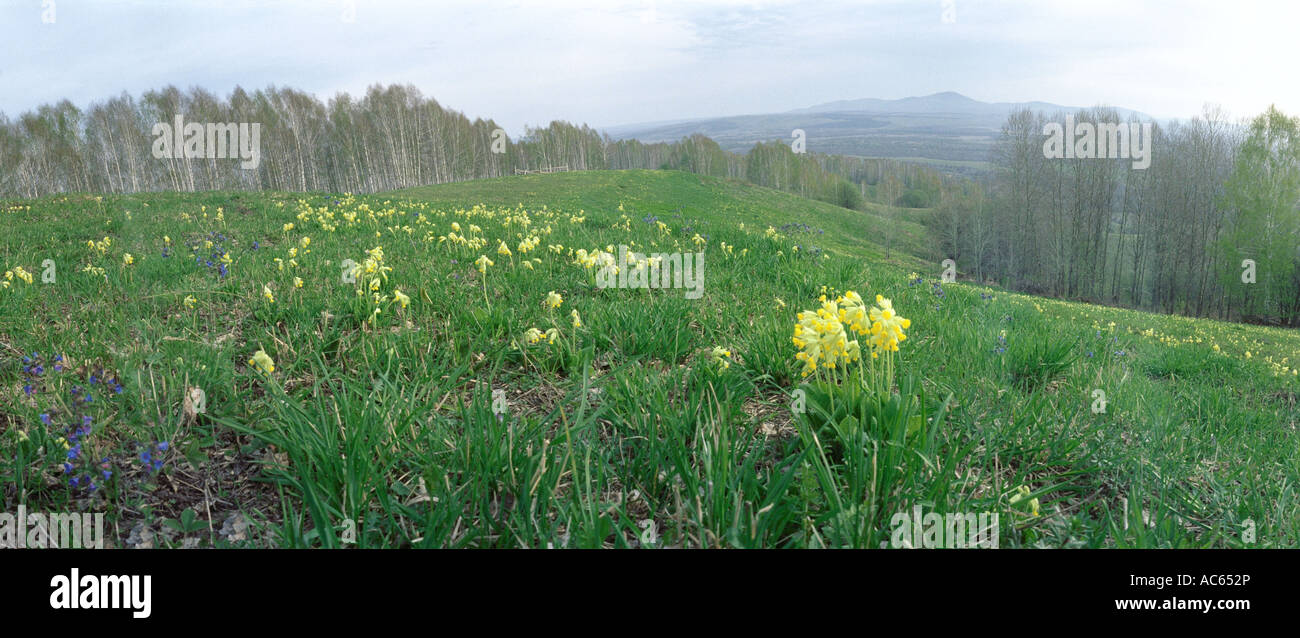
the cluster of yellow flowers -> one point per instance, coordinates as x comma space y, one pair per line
18, 272
94, 270
1021, 494
822, 335
596, 259
552, 301
533, 335
262, 362
100, 246
371, 275
529, 244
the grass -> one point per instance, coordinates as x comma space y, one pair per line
440, 425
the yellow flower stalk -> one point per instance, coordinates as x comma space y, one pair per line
533, 335
262, 362
721, 357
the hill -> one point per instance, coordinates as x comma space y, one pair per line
241, 390
949, 131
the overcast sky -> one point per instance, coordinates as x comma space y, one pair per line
609, 62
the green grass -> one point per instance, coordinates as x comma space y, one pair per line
623, 432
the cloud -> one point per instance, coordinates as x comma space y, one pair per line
609, 62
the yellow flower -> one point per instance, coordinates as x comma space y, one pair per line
262, 362
402, 300
297, 282
821, 338
266, 292
503, 250
780, 305
553, 300
577, 320
483, 262
533, 335
854, 312
127, 259
190, 301
721, 357
1021, 494
551, 334
886, 326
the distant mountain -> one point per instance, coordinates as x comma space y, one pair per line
948, 130
949, 102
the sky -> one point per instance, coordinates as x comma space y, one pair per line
612, 62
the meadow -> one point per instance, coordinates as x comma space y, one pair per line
437, 367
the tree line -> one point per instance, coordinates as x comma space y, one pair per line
1210, 228
390, 138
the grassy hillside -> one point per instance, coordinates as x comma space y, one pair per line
440, 421
672, 195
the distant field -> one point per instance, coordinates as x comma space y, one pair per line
655, 420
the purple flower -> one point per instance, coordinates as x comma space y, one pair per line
45, 418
